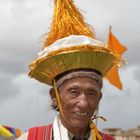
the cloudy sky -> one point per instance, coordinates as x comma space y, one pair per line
24, 102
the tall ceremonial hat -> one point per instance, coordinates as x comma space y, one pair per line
71, 44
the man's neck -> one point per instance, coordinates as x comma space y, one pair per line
84, 137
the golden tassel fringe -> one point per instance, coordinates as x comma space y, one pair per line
67, 20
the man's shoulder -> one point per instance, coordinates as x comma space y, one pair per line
40, 128
107, 136
33, 132
40, 132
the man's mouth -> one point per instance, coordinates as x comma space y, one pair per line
81, 113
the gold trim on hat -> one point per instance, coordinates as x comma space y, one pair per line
98, 58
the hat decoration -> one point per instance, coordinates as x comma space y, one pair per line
71, 44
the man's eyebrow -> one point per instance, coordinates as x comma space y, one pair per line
73, 87
93, 89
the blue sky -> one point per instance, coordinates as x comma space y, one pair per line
25, 102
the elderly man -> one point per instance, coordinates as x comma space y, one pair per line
79, 95
74, 63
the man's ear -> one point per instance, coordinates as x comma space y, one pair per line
53, 97
101, 95
52, 93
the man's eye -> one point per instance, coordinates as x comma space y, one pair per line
73, 92
93, 93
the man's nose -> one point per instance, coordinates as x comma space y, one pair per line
83, 101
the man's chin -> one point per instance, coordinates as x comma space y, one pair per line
80, 124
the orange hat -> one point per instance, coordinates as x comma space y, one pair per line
71, 44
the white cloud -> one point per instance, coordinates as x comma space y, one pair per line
30, 107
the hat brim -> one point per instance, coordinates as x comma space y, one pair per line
47, 68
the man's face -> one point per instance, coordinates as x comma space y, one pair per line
79, 99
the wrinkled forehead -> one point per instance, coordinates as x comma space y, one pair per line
80, 73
